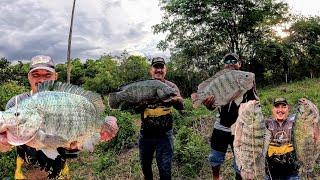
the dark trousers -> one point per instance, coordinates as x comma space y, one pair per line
163, 146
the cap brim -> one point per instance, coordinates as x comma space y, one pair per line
158, 63
44, 68
277, 103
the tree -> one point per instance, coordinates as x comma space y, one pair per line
134, 68
202, 30
305, 41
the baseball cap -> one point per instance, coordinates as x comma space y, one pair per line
280, 100
231, 58
42, 62
158, 60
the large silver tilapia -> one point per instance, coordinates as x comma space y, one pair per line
306, 136
226, 86
141, 92
59, 115
251, 141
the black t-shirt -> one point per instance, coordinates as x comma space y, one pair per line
229, 112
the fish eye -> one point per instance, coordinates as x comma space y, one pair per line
17, 114
246, 75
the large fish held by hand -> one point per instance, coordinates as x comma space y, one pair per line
226, 85
251, 140
137, 93
59, 115
306, 136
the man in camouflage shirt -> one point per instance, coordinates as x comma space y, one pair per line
281, 158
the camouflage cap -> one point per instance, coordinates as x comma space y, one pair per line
280, 100
158, 60
231, 58
42, 62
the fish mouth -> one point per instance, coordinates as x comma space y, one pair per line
16, 140
3, 137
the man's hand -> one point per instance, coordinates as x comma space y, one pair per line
176, 99
209, 102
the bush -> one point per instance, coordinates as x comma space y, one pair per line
190, 152
127, 134
7, 164
7, 91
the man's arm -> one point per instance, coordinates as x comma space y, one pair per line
177, 101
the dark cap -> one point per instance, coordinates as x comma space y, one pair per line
158, 60
231, 58
42, 62
280, 100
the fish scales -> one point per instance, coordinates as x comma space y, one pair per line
306, 137
251, 141
225, 86
67, 117
61, 105
136, 93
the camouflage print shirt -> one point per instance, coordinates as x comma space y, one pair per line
156, 119
36, 161
281, 158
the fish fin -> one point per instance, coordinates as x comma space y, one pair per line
267, 140
109, 129
113, 101
207, 81
50, 153
237, 128
196, 102
160, 94
91, 142
122, 87
93, 97
221, 72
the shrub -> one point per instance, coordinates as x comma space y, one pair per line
7, 91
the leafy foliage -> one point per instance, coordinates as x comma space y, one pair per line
7, 91
203, 30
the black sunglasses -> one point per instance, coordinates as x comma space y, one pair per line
230, 61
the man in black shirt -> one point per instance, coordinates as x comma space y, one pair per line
156, 128
228, 114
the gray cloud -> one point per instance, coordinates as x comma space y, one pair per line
31, 27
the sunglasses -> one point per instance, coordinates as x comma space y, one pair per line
158, 66
230, 61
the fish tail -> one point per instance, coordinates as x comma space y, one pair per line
113, 101
109, 129
195, 100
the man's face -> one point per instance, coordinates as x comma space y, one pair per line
280, 112
158, 71
39, 76
235, 66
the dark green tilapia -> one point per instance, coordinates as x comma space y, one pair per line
306, 137
136, 93
59, 115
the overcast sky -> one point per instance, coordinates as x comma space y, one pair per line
32, 27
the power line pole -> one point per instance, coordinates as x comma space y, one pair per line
69, 45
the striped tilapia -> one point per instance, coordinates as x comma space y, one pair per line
251, 141
306, 136
226, 85
59, 115
147, 91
